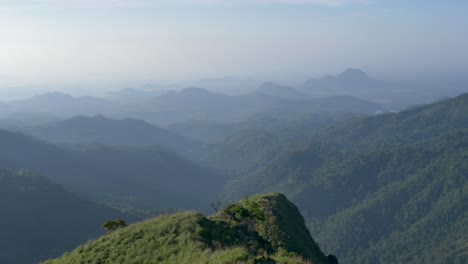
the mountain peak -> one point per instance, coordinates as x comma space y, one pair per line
195, 90
353, 74
278, 90
278, 221
101, 117
242, 230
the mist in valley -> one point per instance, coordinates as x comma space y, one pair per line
233, 132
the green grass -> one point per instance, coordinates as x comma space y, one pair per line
260, 229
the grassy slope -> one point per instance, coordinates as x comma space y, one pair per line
240, 233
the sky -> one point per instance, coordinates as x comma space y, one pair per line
90, 43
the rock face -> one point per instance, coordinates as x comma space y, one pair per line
259, 229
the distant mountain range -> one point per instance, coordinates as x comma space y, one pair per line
141, 177
352, 82
281, 91
188, 105
392, 94
193, 104
99, 129
131, 95
61, 104
227, 85
211, 102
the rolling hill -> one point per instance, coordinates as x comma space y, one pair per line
195, 103
142, 177
99, 129
198, 104
60, 104
408, 126
281, 91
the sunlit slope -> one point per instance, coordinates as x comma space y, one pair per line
245, 232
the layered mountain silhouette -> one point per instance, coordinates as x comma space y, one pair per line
198, 104
61, 105
281, 91
100, 129
141, 177
350, 82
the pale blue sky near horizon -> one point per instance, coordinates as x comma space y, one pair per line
82, 42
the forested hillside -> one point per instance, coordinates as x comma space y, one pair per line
412, 125
40, 219
376, 186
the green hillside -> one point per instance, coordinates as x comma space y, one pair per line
407, 213
41, 220
259, 229
147, 178
156, 179
243, 151
384, 189
400, 128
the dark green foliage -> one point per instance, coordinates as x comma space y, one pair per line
234, 235
40, 219
243, 151
277, 221
368, 203
398, 222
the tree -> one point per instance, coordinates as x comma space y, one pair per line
112, 225
216, 205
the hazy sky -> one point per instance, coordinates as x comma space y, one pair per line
97, 41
